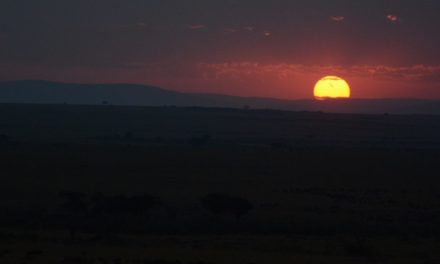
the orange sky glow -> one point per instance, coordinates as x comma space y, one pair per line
285, 81
277, 48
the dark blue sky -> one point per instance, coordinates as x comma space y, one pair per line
229, 46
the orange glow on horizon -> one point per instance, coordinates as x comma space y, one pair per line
331, 87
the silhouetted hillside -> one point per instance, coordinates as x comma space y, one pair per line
44, 92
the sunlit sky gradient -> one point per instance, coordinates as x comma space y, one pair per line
270, 48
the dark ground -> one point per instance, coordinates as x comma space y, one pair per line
324, 188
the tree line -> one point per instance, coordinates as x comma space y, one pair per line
109, 214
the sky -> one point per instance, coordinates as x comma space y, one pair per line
255, 48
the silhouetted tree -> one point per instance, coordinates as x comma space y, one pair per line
215, 203
239, 206
120, 204
76, 206
128, 135
108, 213
115, 210
140, 205
222, 204
108, 205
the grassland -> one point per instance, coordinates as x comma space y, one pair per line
325, 188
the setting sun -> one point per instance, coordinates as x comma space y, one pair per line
331, 87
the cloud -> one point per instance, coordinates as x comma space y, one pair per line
141, 24
393, 18
409, 73
231, 30
245, 70
337, 18
245, 29
248, 29
197, 27
415, 73
138, 25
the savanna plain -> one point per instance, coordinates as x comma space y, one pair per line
171, 185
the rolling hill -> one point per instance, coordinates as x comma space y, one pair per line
46, 92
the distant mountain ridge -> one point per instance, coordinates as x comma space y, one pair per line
46, 92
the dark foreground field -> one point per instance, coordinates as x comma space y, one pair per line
84, 184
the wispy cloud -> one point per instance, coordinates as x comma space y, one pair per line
267, 33
238, 29
141, 24
247, 29
285, 70
408, 73
392, 18
236, 70
337, 18
197, 27
231, 30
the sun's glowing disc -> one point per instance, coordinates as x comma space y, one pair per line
331, 87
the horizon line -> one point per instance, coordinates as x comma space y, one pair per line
312, 97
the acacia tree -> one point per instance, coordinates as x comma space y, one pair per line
76, 206
140, 205
219, 204
239, 206
114, 211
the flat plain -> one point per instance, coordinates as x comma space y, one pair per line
324, 188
